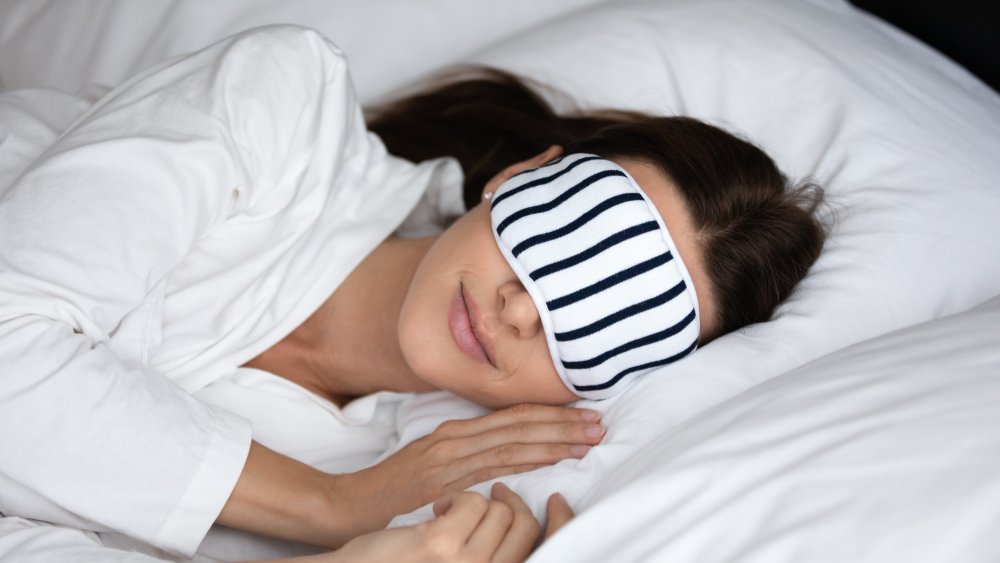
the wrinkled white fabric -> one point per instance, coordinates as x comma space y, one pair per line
26, 541
903, 139
883, 451
186, 222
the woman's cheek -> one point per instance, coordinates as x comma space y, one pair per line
416, 333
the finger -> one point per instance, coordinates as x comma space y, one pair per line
539, 433
557, 512
486, 456
506, 459
467, 480
442, 505
463, 514
514, 415
491, 531
512, 458
523, 531
519, 444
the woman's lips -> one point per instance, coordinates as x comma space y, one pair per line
461, 323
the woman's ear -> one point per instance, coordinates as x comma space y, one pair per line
533, 162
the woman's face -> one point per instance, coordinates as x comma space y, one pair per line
469, 326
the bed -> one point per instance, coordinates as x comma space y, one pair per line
861, 423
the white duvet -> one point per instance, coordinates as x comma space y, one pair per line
747, 452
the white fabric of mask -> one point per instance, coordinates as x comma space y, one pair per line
612, 292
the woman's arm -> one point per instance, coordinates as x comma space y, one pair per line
106, 214
281, 497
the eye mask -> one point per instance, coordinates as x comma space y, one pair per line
613, 295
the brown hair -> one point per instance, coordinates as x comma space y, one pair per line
759, 236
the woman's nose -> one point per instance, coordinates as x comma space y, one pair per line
518, 311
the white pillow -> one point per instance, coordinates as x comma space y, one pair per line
905, 141
69, 45
888, 450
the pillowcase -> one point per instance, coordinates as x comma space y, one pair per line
884, 451
69, 45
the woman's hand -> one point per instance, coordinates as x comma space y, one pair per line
461, 453
469, 528
284, 498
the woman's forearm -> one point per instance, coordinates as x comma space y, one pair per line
280, 497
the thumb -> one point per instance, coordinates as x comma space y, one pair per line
558, 513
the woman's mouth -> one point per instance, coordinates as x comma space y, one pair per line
462, 325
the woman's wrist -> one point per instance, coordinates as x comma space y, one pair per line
354, 501
280, 497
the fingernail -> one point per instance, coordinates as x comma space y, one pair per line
579, 451
594, 430
590, 415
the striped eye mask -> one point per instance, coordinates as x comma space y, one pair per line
613, 295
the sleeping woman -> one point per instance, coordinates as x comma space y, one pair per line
230, 208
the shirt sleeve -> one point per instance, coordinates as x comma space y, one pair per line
91, 227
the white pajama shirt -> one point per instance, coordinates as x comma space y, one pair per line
184, 224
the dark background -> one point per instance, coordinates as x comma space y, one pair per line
967, 31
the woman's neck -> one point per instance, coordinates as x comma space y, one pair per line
349, 347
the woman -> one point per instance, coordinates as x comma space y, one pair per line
230, 209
